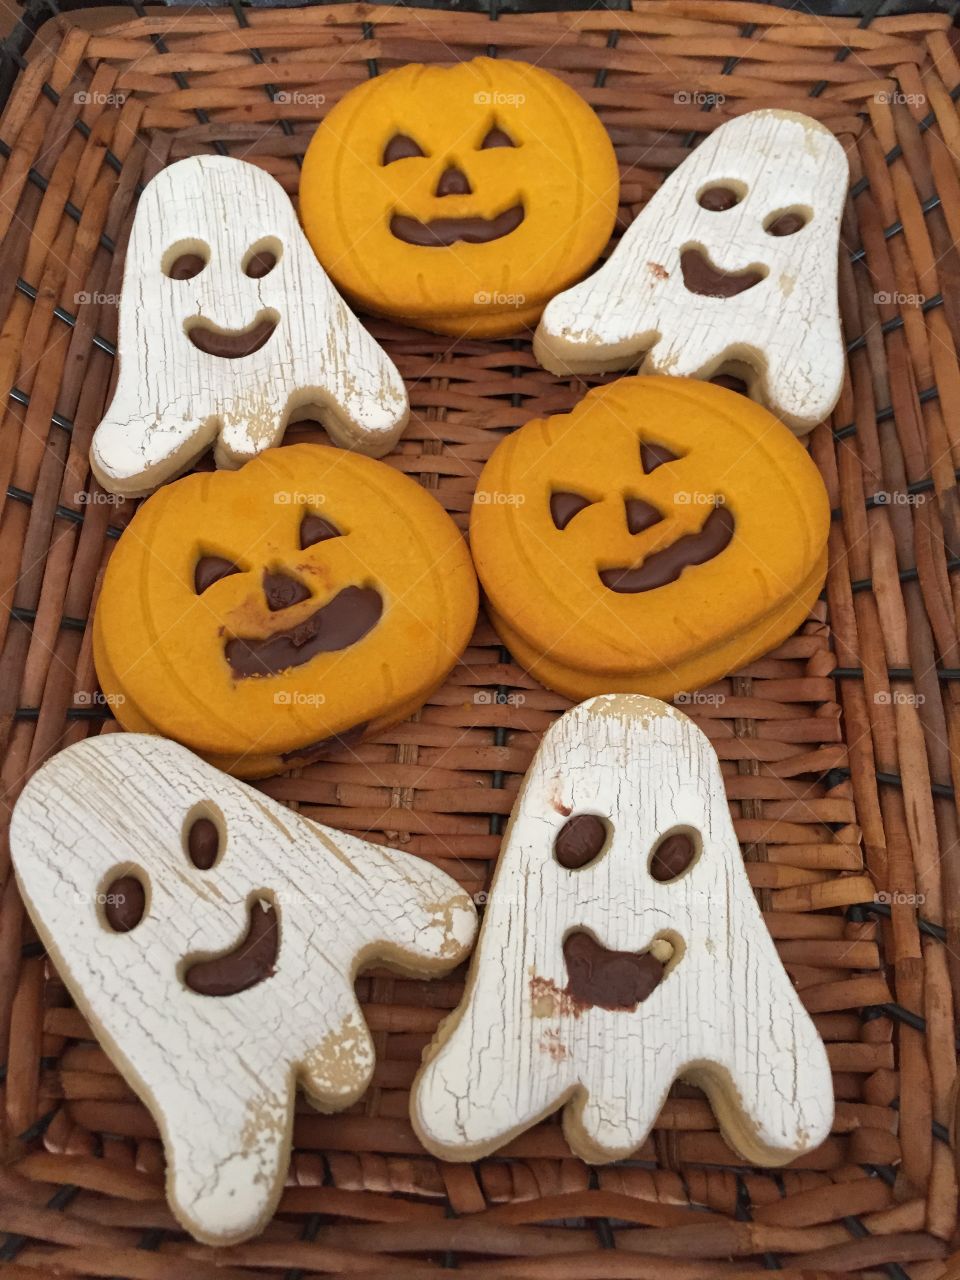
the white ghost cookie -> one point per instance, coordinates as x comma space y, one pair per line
211, 937
229, 325
622, 946
731, 266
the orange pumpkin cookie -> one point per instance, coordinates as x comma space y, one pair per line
266, 616
461, 198
655, 539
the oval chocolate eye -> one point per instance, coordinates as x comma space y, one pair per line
496, 137
401, 147
124, 901
579, 840
210, 569
717, 199
564, 506
203, 843
186, 266
674, 854
261, 264
786, 224
314, 529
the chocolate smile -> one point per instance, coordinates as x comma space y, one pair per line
667, 565
604, 979
703, 278
448, 231
252, 959
232, 344
337, 625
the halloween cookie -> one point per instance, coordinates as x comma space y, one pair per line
621, 947
661, 535
732, 265
211, 937
228, 325
459, 198
267, 616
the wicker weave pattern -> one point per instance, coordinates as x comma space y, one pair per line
836, 749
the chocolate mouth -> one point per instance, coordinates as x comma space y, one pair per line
337, 625
703, 278
667, 565
604, 979
252, 959
232, 344
447, 231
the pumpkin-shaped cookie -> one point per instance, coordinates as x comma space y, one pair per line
262, 617
462, 198
658, 537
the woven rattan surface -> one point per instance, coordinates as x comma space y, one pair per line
836, 748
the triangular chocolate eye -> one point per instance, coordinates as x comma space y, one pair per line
210, 569
641, 515
655, 455
496, 137
564, 506
314, 529
401, 147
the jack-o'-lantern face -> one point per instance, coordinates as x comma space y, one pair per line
460, 198
653, 540
257, 615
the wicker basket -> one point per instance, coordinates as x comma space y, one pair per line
838, 749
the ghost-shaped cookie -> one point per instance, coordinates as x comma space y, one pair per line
731, 266
228, 326
211, 937
622, 947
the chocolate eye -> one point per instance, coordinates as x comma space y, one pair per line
565, 505
673, 855
786, 223
640, 515
401, 147
260, 265
123, 901
314, 529
655, 455
496, 137
718, 198
185, 266
203, 843
579, 841
210, 569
